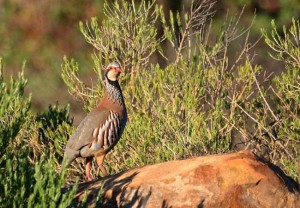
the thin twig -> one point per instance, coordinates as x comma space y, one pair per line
261, 94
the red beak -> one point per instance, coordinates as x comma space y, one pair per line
118, 69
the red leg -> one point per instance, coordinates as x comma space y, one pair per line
88, 161
100, 160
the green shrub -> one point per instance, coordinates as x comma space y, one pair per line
29, 177
286, 96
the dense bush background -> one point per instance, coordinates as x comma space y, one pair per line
192, 87
42, 32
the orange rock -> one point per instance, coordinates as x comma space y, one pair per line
229, 180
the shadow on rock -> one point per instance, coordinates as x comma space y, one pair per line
289, 182
110, 192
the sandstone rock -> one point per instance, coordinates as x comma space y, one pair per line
229, 180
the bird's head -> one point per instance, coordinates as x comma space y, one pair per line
113, 71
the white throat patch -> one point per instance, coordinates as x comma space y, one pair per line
111, 75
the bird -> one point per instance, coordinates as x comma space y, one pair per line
102, 127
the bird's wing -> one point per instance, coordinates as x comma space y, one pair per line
83, 135
107, 135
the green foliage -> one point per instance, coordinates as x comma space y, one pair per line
131, 27
46, 191
204, 101
54, 128
13, 109
128, 34
285, 46
29, 150
286, 94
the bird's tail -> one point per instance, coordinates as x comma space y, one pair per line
69, 156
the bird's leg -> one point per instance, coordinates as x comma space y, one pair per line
100, 160
88, 161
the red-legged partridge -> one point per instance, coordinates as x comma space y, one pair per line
101, 129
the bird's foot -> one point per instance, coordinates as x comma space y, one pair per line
103, 176
89, 178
